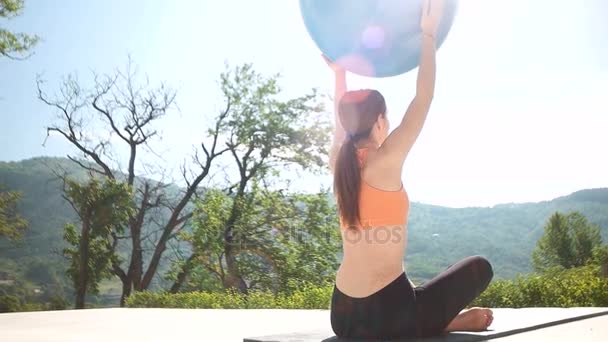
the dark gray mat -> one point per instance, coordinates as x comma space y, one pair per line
506, 322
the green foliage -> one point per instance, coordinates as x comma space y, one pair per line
41, 205
244, 236
555, 247
270, 131
227, 300
57, 302
21, 294
9, 303
14, 43
600, 255
577, 287
568, 242
283, 241
40, 271
505, 234
12, 225
103, 208
586, 238
45, 274
12, 303
307, 297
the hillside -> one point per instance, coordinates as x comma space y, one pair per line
438, 236
37, 256
506, 234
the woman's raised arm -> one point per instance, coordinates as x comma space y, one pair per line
339, 90
398, 144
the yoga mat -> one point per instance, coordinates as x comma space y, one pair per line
506, 322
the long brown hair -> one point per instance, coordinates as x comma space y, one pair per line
358, 111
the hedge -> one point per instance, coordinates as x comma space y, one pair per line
582, 287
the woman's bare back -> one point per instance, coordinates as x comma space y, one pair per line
372, 258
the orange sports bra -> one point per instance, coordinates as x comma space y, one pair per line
378, 208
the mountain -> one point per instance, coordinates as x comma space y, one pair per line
506, 234
46, 211
438, 236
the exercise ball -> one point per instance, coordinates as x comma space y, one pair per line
374, 38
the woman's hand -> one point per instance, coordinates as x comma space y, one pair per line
333, 66
432, 13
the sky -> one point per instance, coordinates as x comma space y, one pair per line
519, 113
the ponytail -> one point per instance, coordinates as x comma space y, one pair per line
347, 180
358, 111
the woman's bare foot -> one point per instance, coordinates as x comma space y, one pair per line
474, 319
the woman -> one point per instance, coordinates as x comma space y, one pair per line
373, 297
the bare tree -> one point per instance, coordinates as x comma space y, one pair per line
257, 133
126, 110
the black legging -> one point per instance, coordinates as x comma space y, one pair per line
398, 310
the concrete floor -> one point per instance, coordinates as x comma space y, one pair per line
167, 325
151, 325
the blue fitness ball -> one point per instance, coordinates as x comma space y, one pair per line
374, 38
